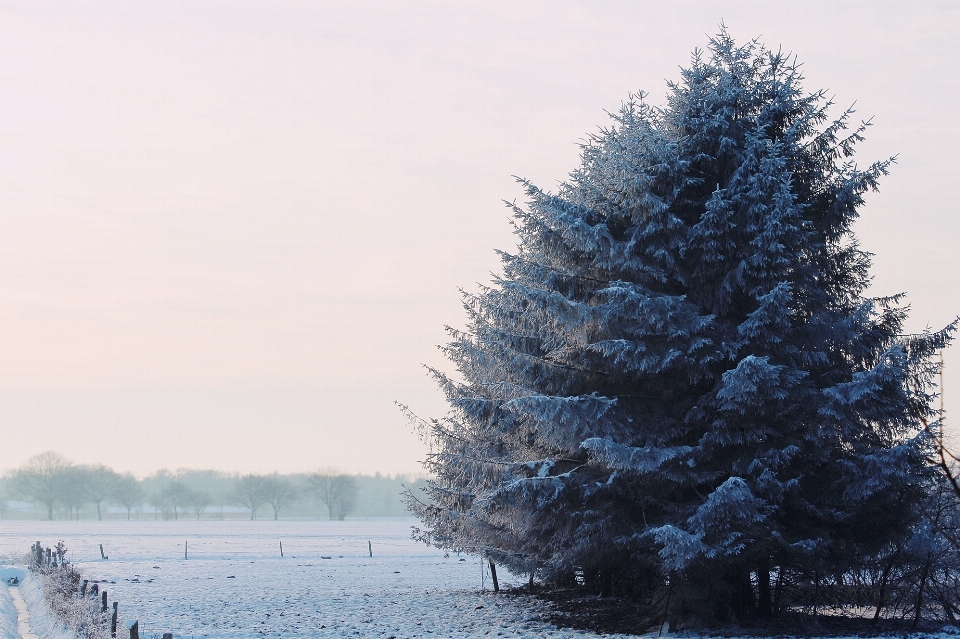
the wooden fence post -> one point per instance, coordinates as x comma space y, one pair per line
370, 547
134, 627
113, 621
83, 588
493, 573
103, 598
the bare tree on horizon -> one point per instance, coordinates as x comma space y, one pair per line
279, 491
40, 479
128, 492
336, 490
250, 492
177, 494
198, 500
98, 483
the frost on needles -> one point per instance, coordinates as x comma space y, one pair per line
677, 391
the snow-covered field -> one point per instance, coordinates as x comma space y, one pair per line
234, 583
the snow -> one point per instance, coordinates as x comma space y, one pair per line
234, 584
8, 615
43, 624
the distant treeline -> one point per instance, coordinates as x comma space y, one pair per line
48, 486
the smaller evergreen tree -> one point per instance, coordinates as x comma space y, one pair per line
678, 385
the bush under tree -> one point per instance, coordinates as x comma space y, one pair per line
678, 390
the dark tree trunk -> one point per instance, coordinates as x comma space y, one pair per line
764, 605
923, 582
741, 593
778, 591
816, 593
948, 610
883, 584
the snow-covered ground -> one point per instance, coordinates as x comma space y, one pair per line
8, 615
23, 611
234, 584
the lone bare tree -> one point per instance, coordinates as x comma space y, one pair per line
337, 491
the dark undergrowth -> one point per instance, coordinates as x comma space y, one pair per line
572, 608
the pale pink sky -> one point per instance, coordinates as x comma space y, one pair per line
232, 233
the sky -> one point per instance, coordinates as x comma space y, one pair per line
232, 233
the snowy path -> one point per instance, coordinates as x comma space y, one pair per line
8, 615
23, 617
12, 606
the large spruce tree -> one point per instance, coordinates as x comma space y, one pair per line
677, 385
